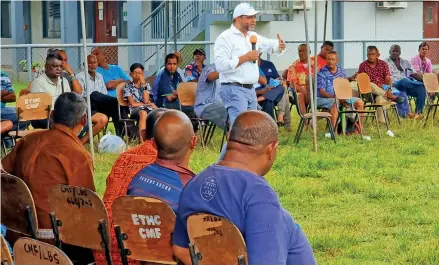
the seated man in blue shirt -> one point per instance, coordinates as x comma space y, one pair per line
268, 96
208, 103
236, 189
167, 95
165, 178
113, 74
270, 71
325, 91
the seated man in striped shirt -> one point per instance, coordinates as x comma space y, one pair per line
325, 91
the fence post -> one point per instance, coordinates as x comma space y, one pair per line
364, 50
157, 58
29, 63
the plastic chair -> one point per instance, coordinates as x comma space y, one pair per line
431, 83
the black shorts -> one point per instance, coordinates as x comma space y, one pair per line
134, 112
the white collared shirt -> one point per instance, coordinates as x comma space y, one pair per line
44, 84
96, 84
230, 45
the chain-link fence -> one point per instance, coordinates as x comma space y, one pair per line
15, 58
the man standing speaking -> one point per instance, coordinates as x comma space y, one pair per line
236, 60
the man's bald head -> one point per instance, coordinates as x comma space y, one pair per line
254, 128
173, 135
152, 118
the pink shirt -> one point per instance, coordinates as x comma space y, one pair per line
422, 66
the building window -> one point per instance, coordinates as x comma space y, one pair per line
51, 19
6, 19
89, 8
430, 15
123, 20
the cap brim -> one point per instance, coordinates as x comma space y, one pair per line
252, 13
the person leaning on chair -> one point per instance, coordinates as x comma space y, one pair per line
235, 189
53, 157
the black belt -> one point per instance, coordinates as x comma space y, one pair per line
237, 84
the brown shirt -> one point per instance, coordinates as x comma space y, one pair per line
48, 158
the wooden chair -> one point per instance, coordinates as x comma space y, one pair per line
144, 228
33, 106
6, 257
215, 240
122, 102
431, 84
186, 97
79, 218
308, 117
18, 212
343, 91
365, 91
150, 80
30, 251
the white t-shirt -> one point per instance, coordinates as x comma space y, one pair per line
44, 84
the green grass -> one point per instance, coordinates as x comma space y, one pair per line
358, 202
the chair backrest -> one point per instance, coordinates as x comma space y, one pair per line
216, 239
31, 251
6, 257
34, 106
363, 81
186, 93
79, 210
18, 208
150, 80
149, 224
431, 83
342, 88
119, 92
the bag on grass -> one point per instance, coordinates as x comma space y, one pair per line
111, 144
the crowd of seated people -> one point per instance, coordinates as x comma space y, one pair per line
168, 141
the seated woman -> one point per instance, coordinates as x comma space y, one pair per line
137, 94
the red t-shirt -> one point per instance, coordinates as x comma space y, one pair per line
376, 74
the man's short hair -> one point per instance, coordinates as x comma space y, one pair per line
69, 109
253, 129
422, 45
331, 52
134, 66
52, 56
328, 43
170, 56
153, 116
371, 48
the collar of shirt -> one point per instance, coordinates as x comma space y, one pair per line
51, 82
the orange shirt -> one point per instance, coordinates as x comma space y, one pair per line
297, 72
47, 158
321, 62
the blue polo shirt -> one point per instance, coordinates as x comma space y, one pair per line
269, 69
325, 79
248, 201
166, 84
207, 91
114, 72
6, 84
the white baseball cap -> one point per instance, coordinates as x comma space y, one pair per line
244, 9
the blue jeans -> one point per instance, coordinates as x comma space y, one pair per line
415, 89
237, 100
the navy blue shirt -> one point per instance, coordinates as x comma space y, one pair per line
166, 84
269, 69
248, 201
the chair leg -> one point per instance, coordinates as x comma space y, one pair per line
377, 124
395, 109
202, 129
434, 113
331, 130
386, 118
428, 114
298, 130
301, 130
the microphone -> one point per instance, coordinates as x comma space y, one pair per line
253, 40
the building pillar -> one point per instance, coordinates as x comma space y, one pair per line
17, 32
70, 29
338, 28
134, 9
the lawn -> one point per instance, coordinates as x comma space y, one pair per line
358, 202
